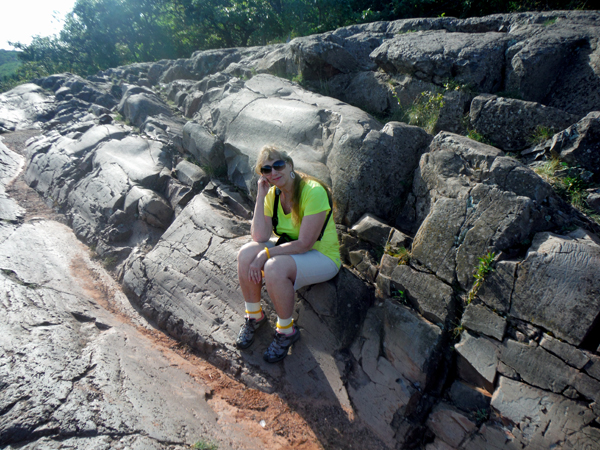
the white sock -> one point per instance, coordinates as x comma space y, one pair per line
285, 326
253, 310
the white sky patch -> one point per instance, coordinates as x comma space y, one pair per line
23, 19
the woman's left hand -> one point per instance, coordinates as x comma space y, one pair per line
254, 271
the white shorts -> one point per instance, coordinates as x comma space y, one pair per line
312, 267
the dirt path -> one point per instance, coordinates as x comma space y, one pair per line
262, 416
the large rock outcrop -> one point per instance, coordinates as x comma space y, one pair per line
466, 315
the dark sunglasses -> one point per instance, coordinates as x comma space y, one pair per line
277, 165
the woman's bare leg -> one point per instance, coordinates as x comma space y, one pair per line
250, 290
280, 275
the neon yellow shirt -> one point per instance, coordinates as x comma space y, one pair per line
313, 200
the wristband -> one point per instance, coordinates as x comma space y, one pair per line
268, 254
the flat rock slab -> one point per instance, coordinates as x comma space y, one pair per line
24, 105
71, 370
542, 419
557, 286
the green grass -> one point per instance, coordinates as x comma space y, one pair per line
476, 136
401, 253
203, 444
573, 189
540, 135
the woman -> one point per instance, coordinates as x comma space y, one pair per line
298, 208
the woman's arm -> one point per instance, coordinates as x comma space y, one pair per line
262, 226
310, 228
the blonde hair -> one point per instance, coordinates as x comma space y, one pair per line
270, 152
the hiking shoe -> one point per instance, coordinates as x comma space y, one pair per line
246, 336
280, 345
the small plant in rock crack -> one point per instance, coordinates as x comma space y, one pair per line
481, 415
401, 253
476, 136
541, 134
203, 444
400, 296
483, 268
457, 330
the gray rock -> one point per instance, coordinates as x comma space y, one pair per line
470, 200
319, 57
569, 354
593, 200
372, 230
138, 103
370, 91
411, 344
24, 105
578, 144
434, 56
309, 135
72, 373
592, 368
433, 298
478, 361
203, 145
377, 390
480, 319
541, 419
469, 398
452, 114
449, 425
341, 304
494, 292
554, 66
511, 124
558, 279
191, 175
154, 209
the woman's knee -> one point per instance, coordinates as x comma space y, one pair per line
248, 252
279, 268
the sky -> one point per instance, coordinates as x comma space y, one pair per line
23, 19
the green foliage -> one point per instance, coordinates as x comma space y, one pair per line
9, 63
425, 110
457, 331
483, 268
570, 187
400, 296
541, 134
110, 262
401, 253
476, 136
205, 445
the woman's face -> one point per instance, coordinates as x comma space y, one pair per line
277, 177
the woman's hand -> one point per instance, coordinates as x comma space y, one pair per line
254, 271
263, 187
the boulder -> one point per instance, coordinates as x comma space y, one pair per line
138, 103
411, 344
557, 287
432, 298
472, 200
154, 209
434, 56
449, 425
203, 145
372, 230
579, 145
540, 419
482, 320
569, 354
511, 124
477, 360
191, 175
327, 139
555, 65
370, 91
377, 390
24, 105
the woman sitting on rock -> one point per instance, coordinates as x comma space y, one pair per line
298, 209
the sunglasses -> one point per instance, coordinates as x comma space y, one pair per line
277, 165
